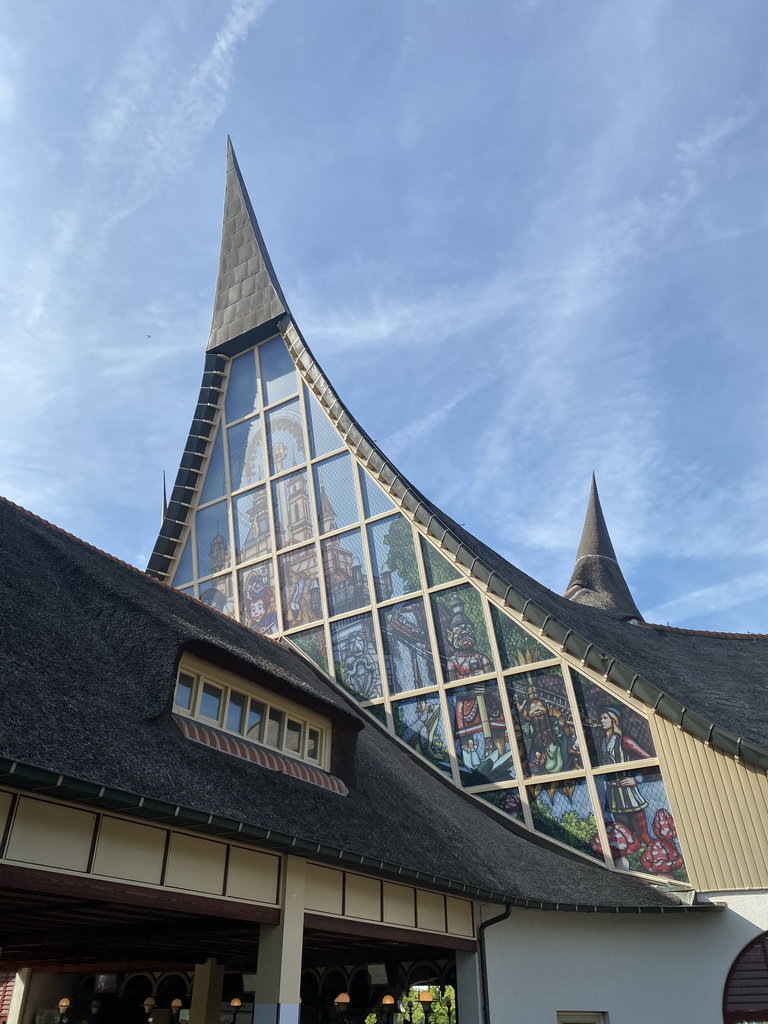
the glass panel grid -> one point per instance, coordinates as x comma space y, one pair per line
285, 432
300, 587
215, 485
335, 493
375, 501
212, 533
246, 453
393, 558
253, 534
462, 635
324, 438
292, 510
257, 598
346, 582
242, 396
278, 375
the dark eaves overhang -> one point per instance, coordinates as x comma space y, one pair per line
65, 787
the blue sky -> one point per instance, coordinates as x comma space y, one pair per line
525, 240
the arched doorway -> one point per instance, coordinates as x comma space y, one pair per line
746, 991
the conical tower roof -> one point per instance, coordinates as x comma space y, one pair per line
597, 579
248, 298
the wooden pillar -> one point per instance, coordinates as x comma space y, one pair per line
206, 993
278, 973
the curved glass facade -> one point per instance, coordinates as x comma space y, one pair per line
293, 537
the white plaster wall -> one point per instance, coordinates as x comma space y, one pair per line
636, 968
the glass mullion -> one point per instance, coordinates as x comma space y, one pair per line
506, 705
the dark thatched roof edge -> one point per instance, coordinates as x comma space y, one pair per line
39, 780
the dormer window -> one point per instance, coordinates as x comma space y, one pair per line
220, 699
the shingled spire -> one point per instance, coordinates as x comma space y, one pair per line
597, 579
248, 296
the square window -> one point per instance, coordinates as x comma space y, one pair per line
275, 724
235, 712
210, 702
293, 737
313, 745
184, 690
256, 720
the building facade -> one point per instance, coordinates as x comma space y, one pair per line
371, 751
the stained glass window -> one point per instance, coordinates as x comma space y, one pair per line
563, 811
480, 734
253, 534
218, 594
335, 493
212, 530
516, 646
426, 652
355, 659
642, 834
242, 395
323, 436
507, 800
375, 500
407, 648
312, 643
419, 723
215, 485
257, 597
614, 732
185, 572
292, 509
462, 638
286, 437
346, 582
300, 587
246, 453
439, 569
395, 569
277, 371
548, 739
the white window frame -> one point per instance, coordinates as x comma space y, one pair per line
577, 1017
229, 684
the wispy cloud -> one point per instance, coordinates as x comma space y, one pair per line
718, 598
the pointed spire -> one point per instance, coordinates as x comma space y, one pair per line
597, 579
248, 295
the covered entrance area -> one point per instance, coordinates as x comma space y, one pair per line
89, 950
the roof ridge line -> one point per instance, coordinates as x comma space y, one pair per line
705, 632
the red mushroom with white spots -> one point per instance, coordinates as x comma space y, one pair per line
664, 824
622, 842
661, 857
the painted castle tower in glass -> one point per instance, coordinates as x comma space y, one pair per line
286, 516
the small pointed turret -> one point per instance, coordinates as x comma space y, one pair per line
248, 296
597, 579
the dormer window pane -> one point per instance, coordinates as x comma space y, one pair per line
235, 712
184, 690
313, 744
293, 737
256, 720
275, 724
210, 702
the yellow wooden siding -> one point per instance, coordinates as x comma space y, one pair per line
720, 808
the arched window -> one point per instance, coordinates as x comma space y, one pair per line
746, 990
